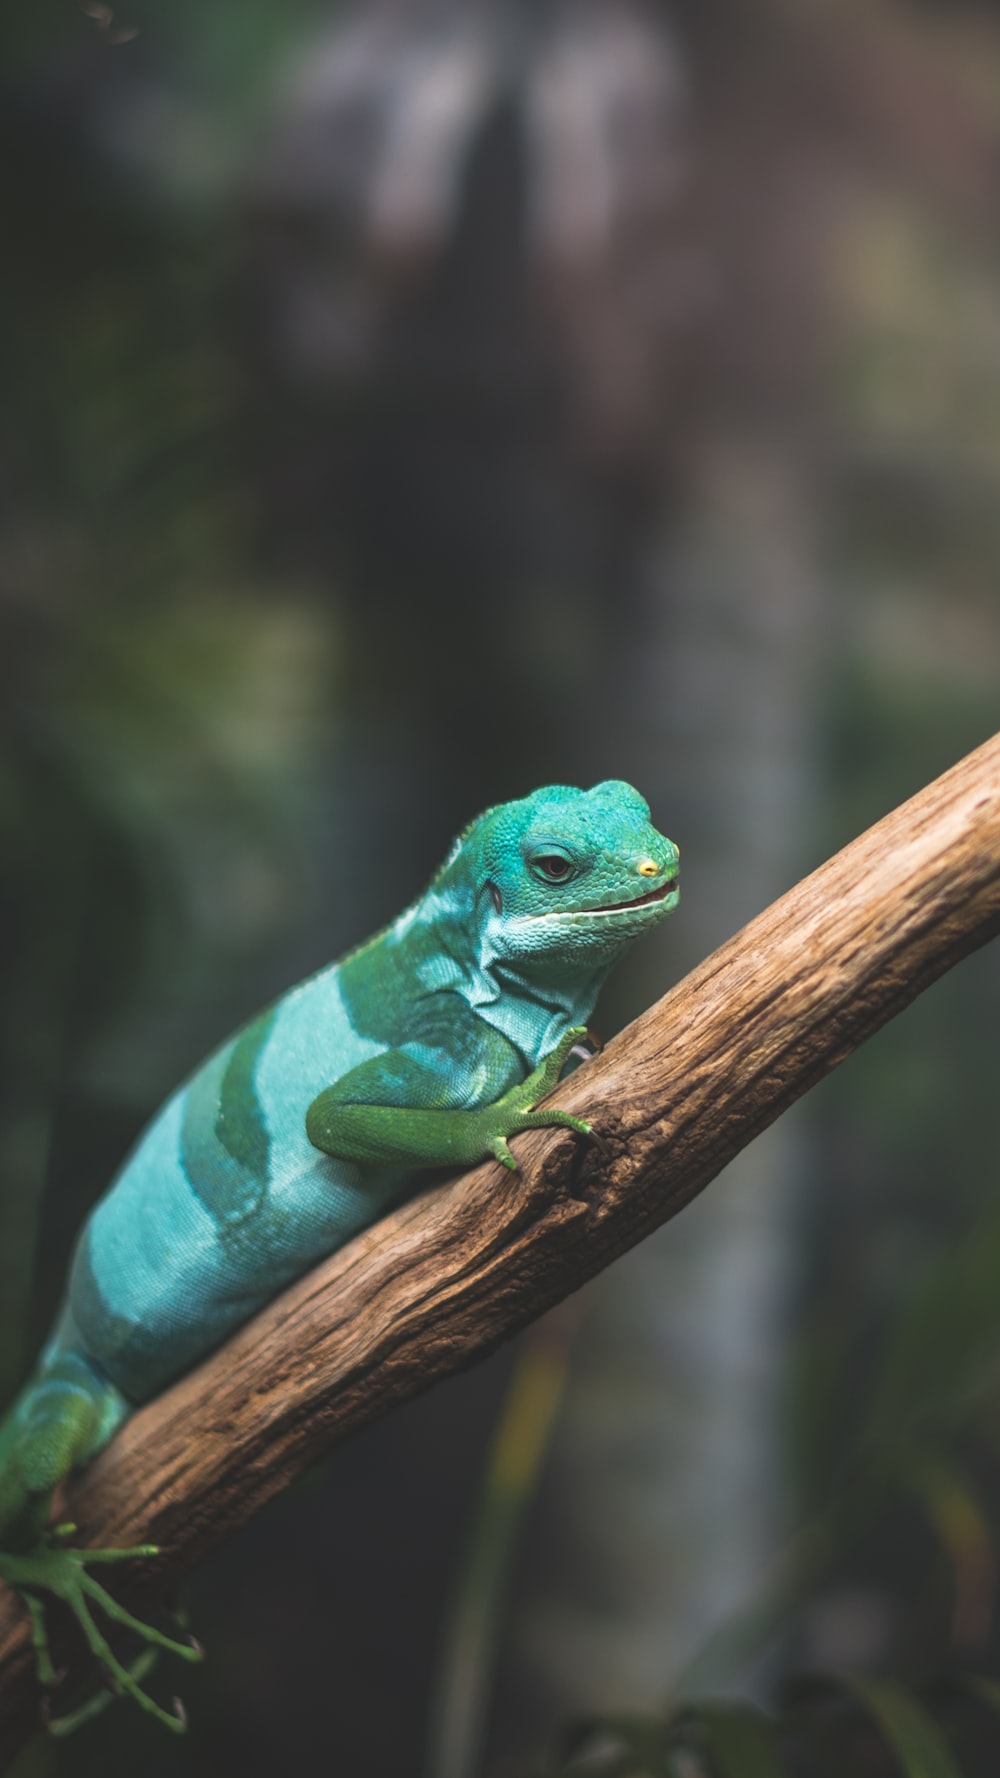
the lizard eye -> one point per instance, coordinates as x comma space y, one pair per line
552, 865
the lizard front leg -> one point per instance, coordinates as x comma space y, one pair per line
399, 1110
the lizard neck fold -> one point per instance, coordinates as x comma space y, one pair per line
533, 1018
531, 1002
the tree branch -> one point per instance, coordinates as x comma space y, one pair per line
442, 1280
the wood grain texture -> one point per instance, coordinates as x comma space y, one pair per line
441, 1281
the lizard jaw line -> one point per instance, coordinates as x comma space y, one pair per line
654, 898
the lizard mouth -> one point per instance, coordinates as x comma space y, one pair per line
625, 907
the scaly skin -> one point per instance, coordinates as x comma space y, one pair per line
430, 1045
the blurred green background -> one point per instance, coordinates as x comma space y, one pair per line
404, 406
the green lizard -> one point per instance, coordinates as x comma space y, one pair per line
429, 1045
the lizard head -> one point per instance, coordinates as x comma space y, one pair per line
570, 876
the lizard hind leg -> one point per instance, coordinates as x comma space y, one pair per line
60, 1421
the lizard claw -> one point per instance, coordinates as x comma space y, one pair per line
597, 1139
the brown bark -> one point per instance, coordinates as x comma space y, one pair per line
442, 1280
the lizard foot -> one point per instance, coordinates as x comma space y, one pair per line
516, 1110
63, 1571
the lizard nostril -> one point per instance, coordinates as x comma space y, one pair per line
649, 868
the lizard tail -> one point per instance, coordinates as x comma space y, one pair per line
66, 1412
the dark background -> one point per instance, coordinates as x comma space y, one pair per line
404, 406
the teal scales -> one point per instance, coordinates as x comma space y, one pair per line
225, 1200
429, 1045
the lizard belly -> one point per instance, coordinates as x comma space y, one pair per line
225, 1200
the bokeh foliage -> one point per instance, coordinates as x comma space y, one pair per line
222, 682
